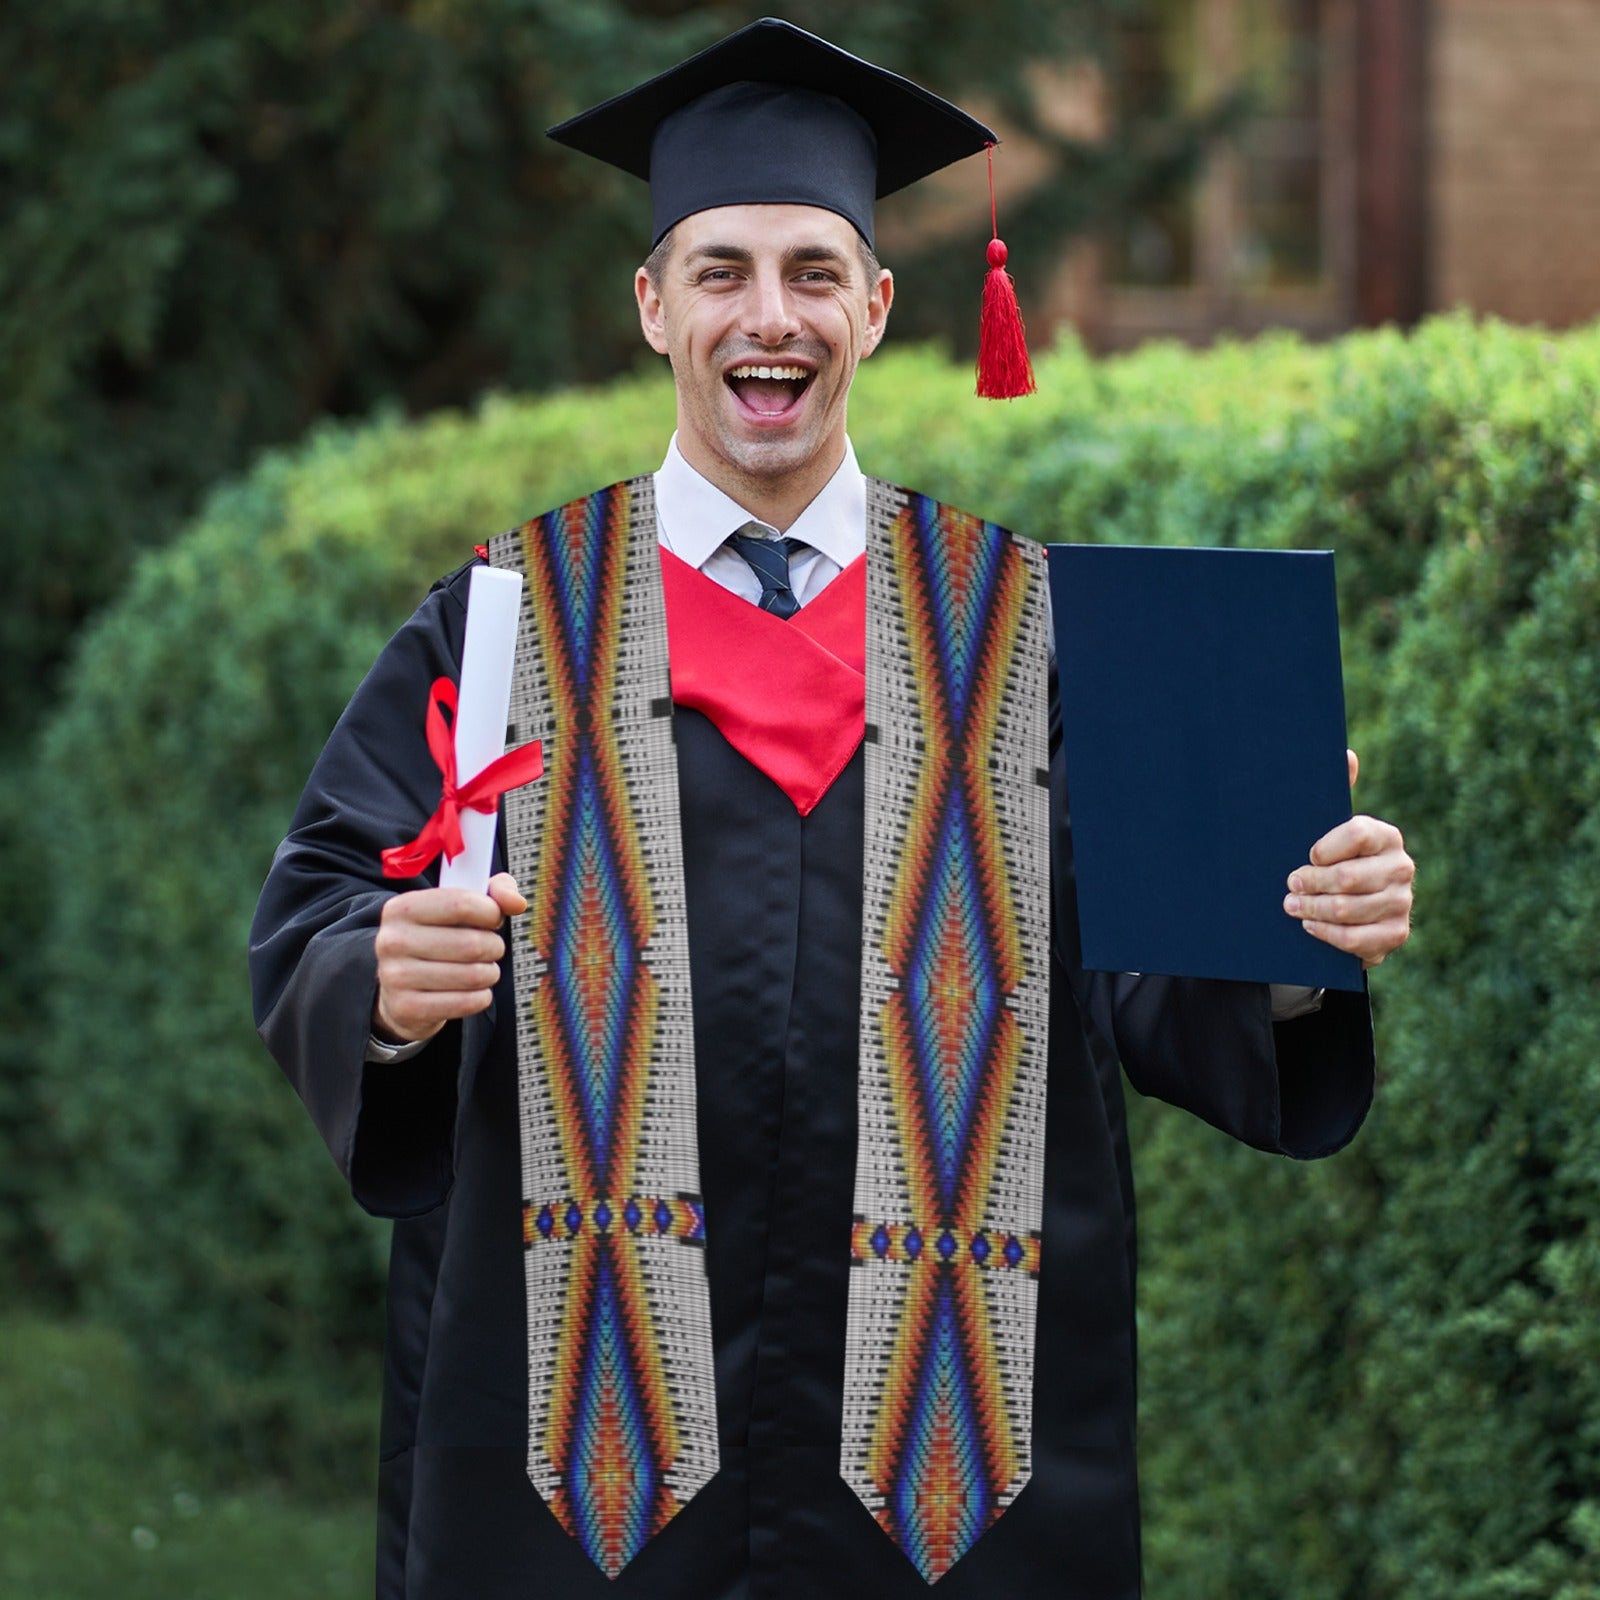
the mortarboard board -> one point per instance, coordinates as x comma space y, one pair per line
774, 115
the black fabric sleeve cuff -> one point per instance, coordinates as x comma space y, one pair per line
1299, 1088
404, 1130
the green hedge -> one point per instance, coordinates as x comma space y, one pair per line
193, 1205
1374, 1377
1377, 1377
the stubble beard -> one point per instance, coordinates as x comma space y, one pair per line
768, 459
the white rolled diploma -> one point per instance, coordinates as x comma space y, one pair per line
494, 599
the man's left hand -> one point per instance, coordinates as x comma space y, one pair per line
1355, 893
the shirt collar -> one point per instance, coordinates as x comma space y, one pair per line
696, 517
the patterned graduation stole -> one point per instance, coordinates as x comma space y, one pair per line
949, 1175
938, 1397
621, 1400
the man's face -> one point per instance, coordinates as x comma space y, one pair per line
764, 311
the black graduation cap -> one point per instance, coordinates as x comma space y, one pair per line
774, 115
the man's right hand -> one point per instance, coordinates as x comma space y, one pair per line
438, 957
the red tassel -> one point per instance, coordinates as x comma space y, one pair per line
1004, 370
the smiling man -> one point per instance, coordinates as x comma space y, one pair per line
763, 1208
726, 292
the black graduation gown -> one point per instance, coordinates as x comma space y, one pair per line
774, 909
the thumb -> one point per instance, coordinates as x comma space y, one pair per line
504, 892
1354, 762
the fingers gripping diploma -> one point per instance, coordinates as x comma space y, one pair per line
439, 954
1355, 893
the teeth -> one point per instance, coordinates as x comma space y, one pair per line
797, 374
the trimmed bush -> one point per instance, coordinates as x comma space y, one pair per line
1373, 1377
196, 1208
1376, 1377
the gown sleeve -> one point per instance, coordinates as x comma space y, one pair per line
313, 966
1300, 1088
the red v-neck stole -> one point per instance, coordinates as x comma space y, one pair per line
789, 696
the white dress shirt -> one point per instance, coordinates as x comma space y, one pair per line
694, 518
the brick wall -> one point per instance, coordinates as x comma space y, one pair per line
1515, 158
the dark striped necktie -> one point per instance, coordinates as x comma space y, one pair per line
769, 560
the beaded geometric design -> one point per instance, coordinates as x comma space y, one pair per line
949, 1178
891, 1241
682, 1217
621, 1403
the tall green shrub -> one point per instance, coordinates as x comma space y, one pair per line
1479, 1292
194, 1206
1375, 1378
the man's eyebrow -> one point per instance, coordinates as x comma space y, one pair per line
817, 254
720, 252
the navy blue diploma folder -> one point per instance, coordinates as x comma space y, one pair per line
1202, 710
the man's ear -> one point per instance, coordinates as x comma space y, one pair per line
652, 315
878, 303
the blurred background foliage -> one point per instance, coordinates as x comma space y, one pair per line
257, 267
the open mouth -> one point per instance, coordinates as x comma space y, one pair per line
769, 391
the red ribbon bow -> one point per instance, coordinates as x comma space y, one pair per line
442, 832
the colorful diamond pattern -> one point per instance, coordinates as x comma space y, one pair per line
946, 1455
605, 1444
595, 971
960, 579
942, 1499
615, 1483
954, 1002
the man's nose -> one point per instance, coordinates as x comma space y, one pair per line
772, 319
